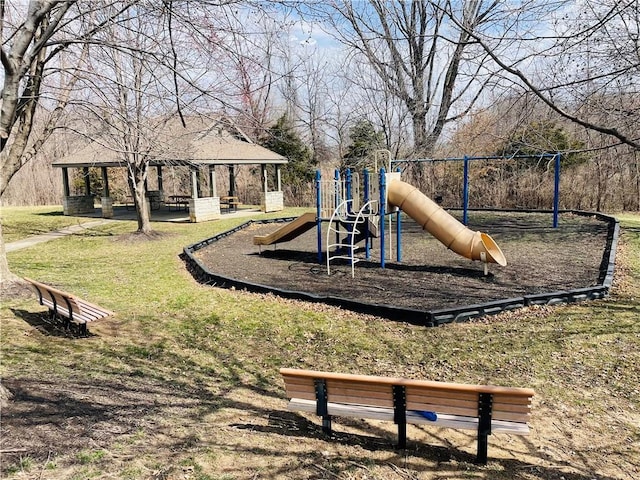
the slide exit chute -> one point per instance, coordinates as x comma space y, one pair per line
449, 231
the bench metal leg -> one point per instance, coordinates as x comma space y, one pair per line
322, 409
326, 424
400, 414
402, 435
484, 427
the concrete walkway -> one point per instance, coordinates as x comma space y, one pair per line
164, 216
45, 237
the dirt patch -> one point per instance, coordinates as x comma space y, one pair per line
540, 259
135, 237
14, 289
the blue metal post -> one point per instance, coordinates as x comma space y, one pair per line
465, 191
398, 233
319, 215
367, 239
556, 191
383, 188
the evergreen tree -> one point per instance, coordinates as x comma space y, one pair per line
365, 140
541, 137
282, 139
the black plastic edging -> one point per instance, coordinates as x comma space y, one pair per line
429, 318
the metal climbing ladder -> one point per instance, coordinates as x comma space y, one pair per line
346, 228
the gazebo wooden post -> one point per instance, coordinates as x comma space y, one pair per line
265, 180
279, 177
159, 173
87, 181
213, 189
65, 182
106, 201
232, 181
160, 194
105, 182
194, 183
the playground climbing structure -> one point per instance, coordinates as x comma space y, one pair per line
354, 220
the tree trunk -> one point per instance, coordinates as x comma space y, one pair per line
5, 396
142, 212
421, 141
139, 191
6, 277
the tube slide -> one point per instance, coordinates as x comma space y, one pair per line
449, 231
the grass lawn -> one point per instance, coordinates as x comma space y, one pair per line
183, 382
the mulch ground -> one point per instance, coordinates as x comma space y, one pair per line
540, 259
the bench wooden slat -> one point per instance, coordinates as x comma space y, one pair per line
90, 307
343, 394
359, 400
300, 382
307, 394
414, 402
512, 417
426, 397
511, 407
512, 399
414, 391
355, 386
375, 391
95, 313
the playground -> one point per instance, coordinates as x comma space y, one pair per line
429, 276
377, 244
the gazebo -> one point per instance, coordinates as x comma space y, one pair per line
203, 145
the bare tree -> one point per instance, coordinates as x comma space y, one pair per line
33, 37
249, 63
127, 92
36, 35
582, 60
417, 53
25, 53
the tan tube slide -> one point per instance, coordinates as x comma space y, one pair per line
449, 231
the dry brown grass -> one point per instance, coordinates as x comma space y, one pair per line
183, 382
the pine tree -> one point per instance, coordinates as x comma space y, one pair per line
365, 140
282, 139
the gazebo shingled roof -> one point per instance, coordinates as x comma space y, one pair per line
202, 143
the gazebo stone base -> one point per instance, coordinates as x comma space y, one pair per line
107, 207
272, 202
75, 205
204, 209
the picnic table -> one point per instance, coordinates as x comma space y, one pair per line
181, 202
230, 202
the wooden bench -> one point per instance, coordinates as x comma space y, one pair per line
69, 308
484, 408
